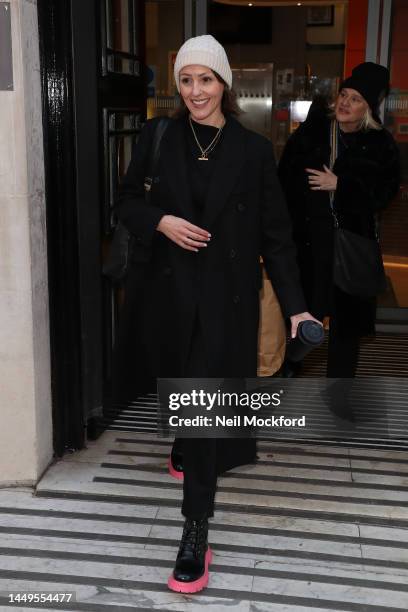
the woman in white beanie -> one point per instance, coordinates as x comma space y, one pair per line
216, 207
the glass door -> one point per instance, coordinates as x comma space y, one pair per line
394, 227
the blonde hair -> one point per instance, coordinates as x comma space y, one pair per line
367, 122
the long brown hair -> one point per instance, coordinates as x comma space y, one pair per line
229, 104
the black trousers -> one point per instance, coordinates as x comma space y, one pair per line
204, 459
346, 321
199, 454
343, 352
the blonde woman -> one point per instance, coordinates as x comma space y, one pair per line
362, 182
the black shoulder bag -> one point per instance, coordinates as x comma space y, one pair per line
123, 242
358, 265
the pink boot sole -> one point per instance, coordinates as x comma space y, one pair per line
197, 585
173, 472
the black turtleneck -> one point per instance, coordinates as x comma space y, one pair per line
200, 172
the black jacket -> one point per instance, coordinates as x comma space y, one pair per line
368, 179
247, 216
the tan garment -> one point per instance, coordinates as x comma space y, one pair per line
272, 332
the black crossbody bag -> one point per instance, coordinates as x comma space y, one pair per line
358, 265
123, 246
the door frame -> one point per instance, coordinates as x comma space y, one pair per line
55, 35
72, 87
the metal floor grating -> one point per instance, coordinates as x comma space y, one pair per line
383, 356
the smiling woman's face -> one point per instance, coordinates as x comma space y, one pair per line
350, 107
202, 93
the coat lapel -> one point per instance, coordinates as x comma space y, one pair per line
228, 168
173, 157
231, 158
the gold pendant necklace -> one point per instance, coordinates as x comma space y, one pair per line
211, 146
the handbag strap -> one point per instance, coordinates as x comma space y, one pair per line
334, 144
154, 152
334, 149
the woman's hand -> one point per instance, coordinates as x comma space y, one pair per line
325, 181
183, 233
296, 319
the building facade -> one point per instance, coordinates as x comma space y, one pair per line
77, 80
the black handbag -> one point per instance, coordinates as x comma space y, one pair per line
123, 245
358, 265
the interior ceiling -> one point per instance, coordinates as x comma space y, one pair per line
284, 2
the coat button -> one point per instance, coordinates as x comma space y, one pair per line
236, 299
307, 218
167, 271
307, 243
240, 207
232, 253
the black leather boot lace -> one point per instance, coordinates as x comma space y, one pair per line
194, 536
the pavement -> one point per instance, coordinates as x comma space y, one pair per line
309, 527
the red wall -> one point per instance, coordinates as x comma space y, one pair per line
399, 45
356, 34
356, 40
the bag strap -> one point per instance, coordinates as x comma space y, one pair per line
334, 149
334, 134
154, 152
333, 143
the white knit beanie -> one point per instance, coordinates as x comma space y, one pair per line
204, 51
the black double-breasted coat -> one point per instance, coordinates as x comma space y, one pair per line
168, 287
368, 179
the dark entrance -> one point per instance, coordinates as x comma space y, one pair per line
94, 102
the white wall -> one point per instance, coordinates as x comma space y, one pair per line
25, 395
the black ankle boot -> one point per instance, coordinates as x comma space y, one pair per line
175, 462
194, 556
337, 397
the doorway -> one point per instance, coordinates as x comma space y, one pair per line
395, 218
106, 66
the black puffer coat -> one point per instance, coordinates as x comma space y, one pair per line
368, 179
